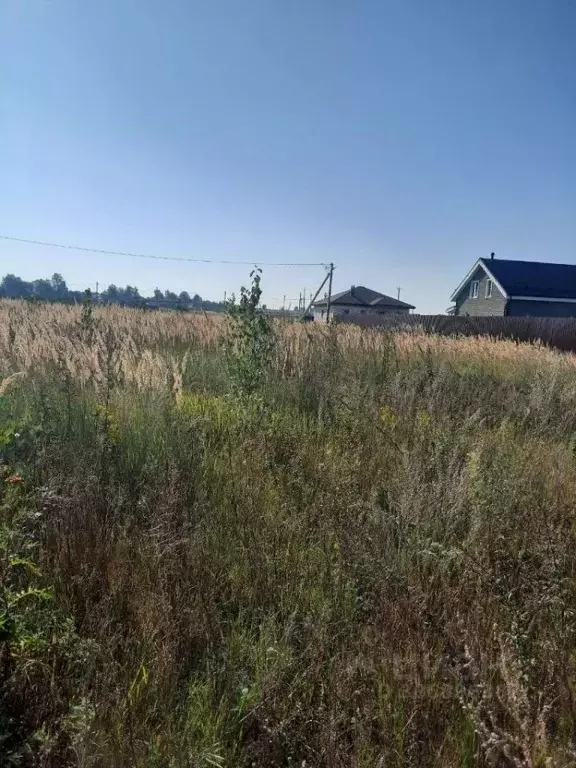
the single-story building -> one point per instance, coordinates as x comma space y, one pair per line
516, 288
359, 300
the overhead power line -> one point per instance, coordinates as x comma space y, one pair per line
162, 258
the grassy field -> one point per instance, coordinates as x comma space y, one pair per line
368, 560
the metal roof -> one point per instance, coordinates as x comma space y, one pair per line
360, 296
536, 279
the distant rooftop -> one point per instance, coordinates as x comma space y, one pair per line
360, 296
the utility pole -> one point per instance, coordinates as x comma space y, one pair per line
313, 299
329, 303
97, 291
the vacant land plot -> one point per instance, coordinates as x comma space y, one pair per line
367, 560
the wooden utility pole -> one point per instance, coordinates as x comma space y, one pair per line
329, 303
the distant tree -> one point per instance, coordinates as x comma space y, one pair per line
13, 287
132, 295
214, 306
59, 286
111, 293
43, 289
55, 289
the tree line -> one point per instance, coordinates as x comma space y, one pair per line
56, 289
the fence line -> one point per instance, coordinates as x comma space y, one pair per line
557, 332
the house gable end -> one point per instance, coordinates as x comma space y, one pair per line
480, 268
485, 300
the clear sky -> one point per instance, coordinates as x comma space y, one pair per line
401, 139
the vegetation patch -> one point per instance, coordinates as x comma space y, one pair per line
235, 543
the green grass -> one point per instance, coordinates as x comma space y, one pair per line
370, 561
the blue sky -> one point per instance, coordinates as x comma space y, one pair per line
401, 139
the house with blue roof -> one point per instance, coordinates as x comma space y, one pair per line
516, 288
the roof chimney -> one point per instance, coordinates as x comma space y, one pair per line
492, 256
352, 289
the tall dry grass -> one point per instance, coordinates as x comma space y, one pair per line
148, 345
556, 332
371, 562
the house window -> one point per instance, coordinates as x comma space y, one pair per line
346, 312
488, 289
474, 289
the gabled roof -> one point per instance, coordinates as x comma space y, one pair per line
529, 280
363, 297
534, 278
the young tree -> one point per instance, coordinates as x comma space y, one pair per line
250, 340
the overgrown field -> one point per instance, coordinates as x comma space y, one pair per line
347, 548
